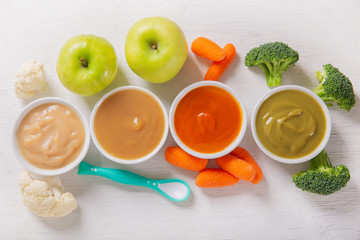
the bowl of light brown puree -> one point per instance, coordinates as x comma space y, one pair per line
129, 125
51, 136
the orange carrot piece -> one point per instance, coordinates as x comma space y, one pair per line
213, 178
216, 69
237, 167
206, 48
178, 157
241, 153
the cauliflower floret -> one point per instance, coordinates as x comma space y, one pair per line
30, 79
45, 197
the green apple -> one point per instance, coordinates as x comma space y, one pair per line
86, 64
155, 49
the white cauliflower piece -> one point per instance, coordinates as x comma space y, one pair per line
45, 196
30, 79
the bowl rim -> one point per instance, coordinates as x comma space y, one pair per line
48, 172
236, 141
127, 161
322, 144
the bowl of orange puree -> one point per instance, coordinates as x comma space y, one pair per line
207, 119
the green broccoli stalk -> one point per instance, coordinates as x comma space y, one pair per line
335, 87
322, 178
273, 58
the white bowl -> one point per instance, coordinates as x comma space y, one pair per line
127, 161
70, 166
229, 148
292, 160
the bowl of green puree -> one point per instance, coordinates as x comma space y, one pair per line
291, 124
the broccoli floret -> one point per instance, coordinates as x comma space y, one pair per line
335, 87
274, 58
322, 178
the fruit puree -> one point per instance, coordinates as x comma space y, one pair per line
208, 119
129, 124
50, 136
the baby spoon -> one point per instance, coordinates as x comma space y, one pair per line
174, 189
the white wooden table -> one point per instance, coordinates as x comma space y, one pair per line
321, 31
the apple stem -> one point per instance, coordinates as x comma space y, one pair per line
84, 63
154, 46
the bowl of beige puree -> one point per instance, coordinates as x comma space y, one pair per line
291, 124
129, 125
50, 136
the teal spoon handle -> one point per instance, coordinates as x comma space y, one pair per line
129, 178
117, 175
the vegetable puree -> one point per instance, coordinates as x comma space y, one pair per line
290, 124
208, 119
129, 124
51, 136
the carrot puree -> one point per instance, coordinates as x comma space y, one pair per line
208, 119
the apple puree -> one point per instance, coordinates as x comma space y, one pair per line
51, 136
129, 124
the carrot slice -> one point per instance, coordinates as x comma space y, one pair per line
213, 178
241, 153
237, 167
216, 69
206, 48
178, 157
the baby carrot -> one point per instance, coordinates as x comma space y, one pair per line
237, 167
241, 153
212, 178
206, 48
178, 157
216, 69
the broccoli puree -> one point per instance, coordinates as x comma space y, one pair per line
290, 124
